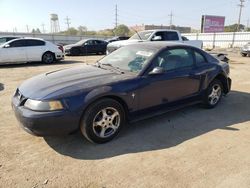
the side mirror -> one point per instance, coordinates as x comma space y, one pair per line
85, 44
156, 71
6, 46
157, 38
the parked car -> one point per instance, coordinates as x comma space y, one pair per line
24, 50
245, 50
134, 82
86, 46
117, 39
154, 35
6, 39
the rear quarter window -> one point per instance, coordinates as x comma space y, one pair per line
200, 59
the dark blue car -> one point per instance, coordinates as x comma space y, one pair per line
134, 82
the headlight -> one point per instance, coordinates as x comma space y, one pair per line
43, 105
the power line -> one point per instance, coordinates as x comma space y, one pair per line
241, 5
67, 22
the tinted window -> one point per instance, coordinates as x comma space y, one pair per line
199, 59
99, 42
175, 59
18, 43
90, 42
171, 36
160, 34
35, 42
3, 40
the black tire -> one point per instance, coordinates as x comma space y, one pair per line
92, 129
243, 55
48, 58
212, 97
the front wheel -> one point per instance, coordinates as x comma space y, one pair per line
213, 94
102, 121
48, 58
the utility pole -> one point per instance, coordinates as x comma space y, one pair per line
67, 21
241, 5
171, 20
43, 27
116, 16
27, 27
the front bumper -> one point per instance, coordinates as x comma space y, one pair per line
59, 56
45, 123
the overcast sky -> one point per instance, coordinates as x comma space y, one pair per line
100, 14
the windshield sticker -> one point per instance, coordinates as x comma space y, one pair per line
144, 53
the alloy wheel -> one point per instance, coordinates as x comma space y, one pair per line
106, 122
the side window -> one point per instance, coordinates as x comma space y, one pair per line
91, 42
159, 34
200, 60
17, 43
171, 36
175, 59
98, 42
31, 42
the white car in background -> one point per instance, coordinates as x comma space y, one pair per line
24, 50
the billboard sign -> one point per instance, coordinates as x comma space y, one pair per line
212, 24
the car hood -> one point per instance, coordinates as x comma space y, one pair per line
64, 82
118, 44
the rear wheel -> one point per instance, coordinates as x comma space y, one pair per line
102, 121
243, 55
48, 58
213, 94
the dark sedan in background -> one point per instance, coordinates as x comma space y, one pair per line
86, 46
134, 82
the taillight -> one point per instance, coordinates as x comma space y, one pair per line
60, 48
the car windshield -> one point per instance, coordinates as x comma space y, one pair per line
81, 42
129, 58
144, 35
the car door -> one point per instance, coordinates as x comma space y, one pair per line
34, 49
14, 52
176, 83
89, 47
101, 46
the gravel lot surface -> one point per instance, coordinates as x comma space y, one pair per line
191, 147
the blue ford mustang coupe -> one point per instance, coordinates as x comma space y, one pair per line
134, 82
